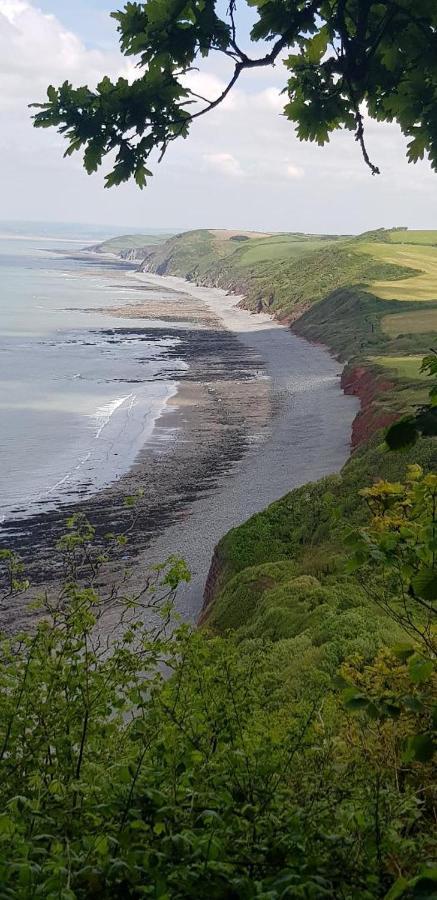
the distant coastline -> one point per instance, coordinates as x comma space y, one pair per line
252, 407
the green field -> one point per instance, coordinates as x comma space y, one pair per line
273, 249
130, 242
413, 237
419, 321
421, 285
404, 366
330, 286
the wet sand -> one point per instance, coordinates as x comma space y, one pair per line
306, 436
258, 412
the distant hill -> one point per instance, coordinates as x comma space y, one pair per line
130, 246
283, 273
287, 273
245, 261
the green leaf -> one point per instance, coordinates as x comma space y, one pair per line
397, 889
317, 46
141, 175
424, 584
417, 147
403, 651
7, 827
101, 845
433, 395
413, 703
354, 700
420, 747
402, 434
420, 669
425, 885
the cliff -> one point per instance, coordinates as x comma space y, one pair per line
327, 288
370, 389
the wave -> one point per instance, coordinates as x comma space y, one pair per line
103, 414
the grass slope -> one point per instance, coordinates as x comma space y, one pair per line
130, 242
418, 321
420, 284
404, 366
301, 535
403, 236
283, 273
326, 285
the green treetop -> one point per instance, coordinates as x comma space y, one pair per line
341, 56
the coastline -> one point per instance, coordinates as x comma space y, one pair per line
307, 436
257, 412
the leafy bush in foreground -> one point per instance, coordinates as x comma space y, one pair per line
236, 777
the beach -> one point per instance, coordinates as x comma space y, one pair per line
297, 423
257, 412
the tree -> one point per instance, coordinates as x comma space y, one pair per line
342, 57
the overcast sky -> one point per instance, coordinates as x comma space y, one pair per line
242, 165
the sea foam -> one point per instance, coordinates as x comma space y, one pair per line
103, 414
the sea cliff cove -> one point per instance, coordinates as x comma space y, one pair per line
227, 411
218, 450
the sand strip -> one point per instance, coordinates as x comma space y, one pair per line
305, 434
258, 412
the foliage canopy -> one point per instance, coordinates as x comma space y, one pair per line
232, 778
339, 55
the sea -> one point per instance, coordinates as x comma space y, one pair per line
80, 390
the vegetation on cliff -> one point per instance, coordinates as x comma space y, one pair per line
290, 753
290, 758
284, 749
371, 299
137, 244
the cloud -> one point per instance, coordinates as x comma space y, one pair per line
294, 171
225, 163
242, 165
35, 50
209, 86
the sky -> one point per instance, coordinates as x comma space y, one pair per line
241, 167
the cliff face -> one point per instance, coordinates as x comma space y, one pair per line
319, 288
212, 585
369, 388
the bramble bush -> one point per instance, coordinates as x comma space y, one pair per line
141, 758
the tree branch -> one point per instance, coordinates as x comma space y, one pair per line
359, 136
244, 63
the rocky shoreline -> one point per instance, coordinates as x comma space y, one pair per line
258, 412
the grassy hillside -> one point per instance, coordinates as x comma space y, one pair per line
303, 533
419, 281
190, 254
404, 236
287, 273
235, 259
125, 242
363, 297
285, 750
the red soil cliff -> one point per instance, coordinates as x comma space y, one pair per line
368, 387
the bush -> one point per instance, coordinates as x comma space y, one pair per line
141, 759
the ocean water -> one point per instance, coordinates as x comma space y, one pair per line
77, 400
